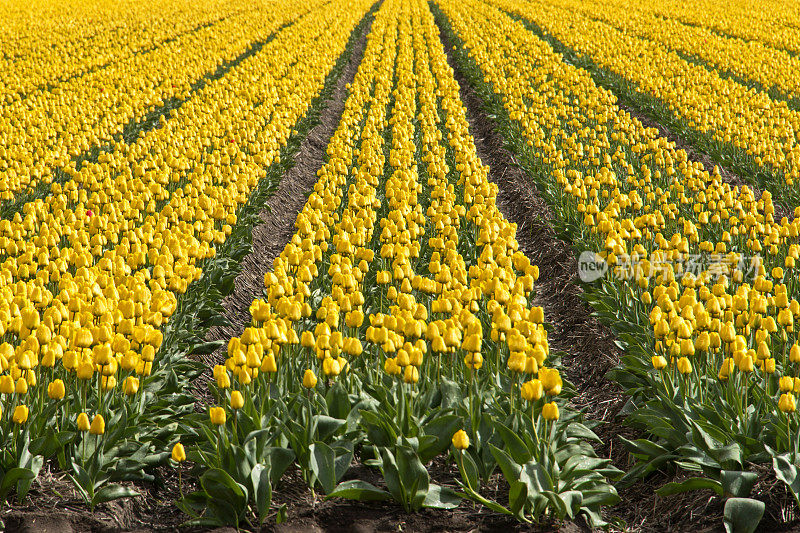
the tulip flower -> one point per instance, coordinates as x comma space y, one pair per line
787, 403
461, 440
237, 400
83, 422
20, 415
56, 389
532, 390
309, 379
98, 426
178, 453
550, 411
217, 415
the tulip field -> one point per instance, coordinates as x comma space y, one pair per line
409, 265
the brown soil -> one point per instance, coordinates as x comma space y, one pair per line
53, 505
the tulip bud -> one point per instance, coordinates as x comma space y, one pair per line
56, 389
223, 380
687, 348
6, 384
309, 379
461, 440
353, 346
331, 366
472, 343
787, 403
763, 351
684, 365
532, 390
703, 341
85, 369
237, 400
20, 415
83, 422
217, 415
550, 411
178, 453
268, 364
108, 382
411, 374
746, 364
794, 354
550, 379
98, 426
131, 386
727, 367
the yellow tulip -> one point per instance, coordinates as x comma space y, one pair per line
217, 415
794, 356
85, 370
787, 403
178, 453
98, 426
461, 440
268, 364
411, 374
532, 390
309, 379
131, 386
237, 400
330, 366
56, 389
684, 365
550, 411
83, 422
6, 384
20, 415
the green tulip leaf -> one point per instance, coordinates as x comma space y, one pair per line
695, 483
738, 484
742, 515
441, 498
358, 490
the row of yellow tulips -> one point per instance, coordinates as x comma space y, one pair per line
403, 307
